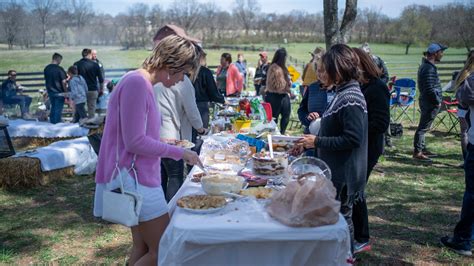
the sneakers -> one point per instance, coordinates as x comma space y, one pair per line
362, 247
460, 248
421, 157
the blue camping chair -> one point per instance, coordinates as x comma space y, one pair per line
402, 98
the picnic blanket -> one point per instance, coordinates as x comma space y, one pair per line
24, 128
65, 153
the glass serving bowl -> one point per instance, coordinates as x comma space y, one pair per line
306, 165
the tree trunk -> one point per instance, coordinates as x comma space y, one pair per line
331, 27
350, 14
334, 34
407, 47
44, 35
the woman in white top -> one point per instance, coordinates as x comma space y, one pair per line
180, 115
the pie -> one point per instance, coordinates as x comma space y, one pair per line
201, 202
257, 192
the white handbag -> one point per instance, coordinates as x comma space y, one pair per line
122, 206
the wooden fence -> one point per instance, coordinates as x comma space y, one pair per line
34, 81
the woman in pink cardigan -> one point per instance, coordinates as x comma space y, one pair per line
228, 77
133, 128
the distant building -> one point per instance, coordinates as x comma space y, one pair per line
170, 29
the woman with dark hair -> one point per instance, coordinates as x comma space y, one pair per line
342, 138
377, 98
278, 89
228, 78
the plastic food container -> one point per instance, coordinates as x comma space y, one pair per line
242, 124
219, 184
304, 166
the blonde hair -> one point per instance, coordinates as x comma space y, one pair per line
174, 53
465, 72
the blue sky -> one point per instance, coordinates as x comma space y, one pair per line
391, 8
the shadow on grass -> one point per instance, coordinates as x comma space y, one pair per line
41, 215
116, 251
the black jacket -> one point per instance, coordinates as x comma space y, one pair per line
381, 64
342, 140
205, 86
91, 72
429, 84
9, 89
377, 98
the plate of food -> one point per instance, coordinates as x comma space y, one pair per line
278, 138
257, 192
185, 144
202, 204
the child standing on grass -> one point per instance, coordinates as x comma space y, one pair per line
78, 93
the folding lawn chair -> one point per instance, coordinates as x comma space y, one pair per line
403, 98
448, 115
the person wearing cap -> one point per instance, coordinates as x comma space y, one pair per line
430, 98
260, 78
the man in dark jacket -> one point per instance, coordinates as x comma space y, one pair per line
430, 98
91, 72
55, 82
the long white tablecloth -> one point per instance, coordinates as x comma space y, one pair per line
24, 128
244, 234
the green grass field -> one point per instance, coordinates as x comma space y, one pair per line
113, 57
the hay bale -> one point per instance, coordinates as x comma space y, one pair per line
28, 143
26, 172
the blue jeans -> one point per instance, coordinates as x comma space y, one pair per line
22, 100
57, 104
463, 230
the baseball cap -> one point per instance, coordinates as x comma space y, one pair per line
365, 47
264, 54
435, 47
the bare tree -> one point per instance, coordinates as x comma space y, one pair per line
185, 13
412, 27
81, 12
12, 19
135, 26
208, 21
157, 16
43, 9
246, 12
333, 33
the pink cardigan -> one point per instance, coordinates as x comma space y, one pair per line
234, 80
136, 97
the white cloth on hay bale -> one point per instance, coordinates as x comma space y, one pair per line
23, 128
66, 153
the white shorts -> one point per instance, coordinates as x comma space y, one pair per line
154, 203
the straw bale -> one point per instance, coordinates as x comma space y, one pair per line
26, 172
28, 143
